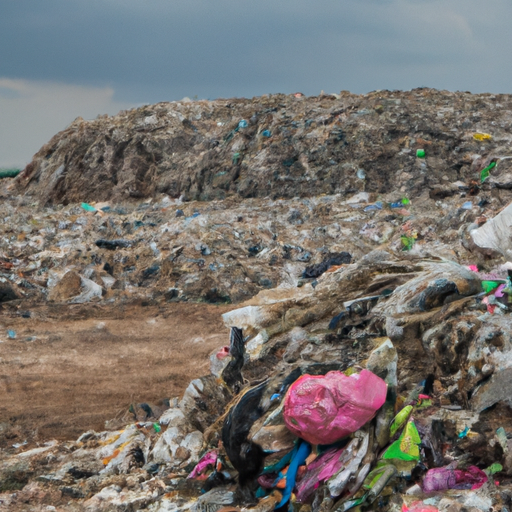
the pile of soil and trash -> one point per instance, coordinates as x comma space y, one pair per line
385, 168
368, 360
273, 146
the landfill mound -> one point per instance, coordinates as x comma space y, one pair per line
368, 362
277, 146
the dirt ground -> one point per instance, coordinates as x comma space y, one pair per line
71, 368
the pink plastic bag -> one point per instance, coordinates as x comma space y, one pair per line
321, 469
419, 506
208, 459
325, 408
223, 353
440, 479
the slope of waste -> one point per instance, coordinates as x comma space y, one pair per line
226, 251
368, 360
386, 386
273, 146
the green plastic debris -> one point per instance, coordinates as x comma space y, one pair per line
423, 404
88, 207
236, 157
231, 134
484, 174
407, 242
157, 427
406, 447
378, 478
489, 286
405, 201
347, 505
420, 153
400, 420
493, 469
9, 173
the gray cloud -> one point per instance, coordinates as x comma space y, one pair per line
157, 50
32, 112
171, 48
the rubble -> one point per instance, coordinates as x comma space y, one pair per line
369, 358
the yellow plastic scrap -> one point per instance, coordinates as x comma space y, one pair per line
482, 136
111, 439
115, 453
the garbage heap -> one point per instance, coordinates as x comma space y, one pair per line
380, 385
371, 370
217, 200
276, 146
166, 250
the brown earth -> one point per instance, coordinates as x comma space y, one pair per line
71, 368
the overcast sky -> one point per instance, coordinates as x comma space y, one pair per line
66, 58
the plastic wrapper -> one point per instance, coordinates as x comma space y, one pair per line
208, 459
406, 447
440, 479
321, 469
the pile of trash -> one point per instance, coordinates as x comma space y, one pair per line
166, 250
369, 362
276, 146
386, 386
317, 182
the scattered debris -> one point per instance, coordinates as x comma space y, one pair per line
369, 364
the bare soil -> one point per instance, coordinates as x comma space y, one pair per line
71, 368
